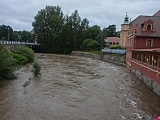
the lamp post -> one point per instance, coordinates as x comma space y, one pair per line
8, 33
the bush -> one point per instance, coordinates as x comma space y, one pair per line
26, 52
36, 69
6, 64
116, 47
89, 44
93, 45
19, 59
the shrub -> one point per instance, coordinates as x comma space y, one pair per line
26, 52
6, 62
116, 47
92, 45
19, 59
89, 44
36, 69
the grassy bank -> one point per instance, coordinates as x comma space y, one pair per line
10, 59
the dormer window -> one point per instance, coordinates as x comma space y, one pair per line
149, 27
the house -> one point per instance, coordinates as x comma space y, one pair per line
143, 50
112, 41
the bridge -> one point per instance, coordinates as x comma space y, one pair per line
34, 46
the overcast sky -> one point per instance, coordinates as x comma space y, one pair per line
19, 14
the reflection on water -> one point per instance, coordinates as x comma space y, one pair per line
77, 88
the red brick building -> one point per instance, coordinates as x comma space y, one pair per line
112, 41
143, 49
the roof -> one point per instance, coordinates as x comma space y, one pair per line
157, 13
141, 19
112, 39
148, 50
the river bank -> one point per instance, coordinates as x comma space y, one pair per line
112, 58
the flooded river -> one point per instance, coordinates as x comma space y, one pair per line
77, 88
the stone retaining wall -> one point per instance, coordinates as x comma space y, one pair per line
154, 86
112, 58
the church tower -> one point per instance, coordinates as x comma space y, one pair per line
124, 31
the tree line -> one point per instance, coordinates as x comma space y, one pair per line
7, 33
59, 33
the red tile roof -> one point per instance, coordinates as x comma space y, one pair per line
157, 13
114, 39
141, 19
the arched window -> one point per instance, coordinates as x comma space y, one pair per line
149, 27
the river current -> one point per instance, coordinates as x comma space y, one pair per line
77, 88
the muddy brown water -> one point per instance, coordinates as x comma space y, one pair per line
77, 88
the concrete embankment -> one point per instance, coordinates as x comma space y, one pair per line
153, 85
112, 58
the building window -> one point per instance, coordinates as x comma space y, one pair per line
146, 59
149, 42
149, 27
154, 60
143, 58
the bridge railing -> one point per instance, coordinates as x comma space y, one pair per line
5, 42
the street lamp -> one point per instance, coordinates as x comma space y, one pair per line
8, 35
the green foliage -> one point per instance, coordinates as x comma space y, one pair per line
4, 31
110, 31
89, 44
19, 59
36, 69
116, 47
93, 45
23, 36
26, 52
93, 32
6, 62
59, 34
48, 26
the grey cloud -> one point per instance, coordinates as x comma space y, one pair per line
19, 14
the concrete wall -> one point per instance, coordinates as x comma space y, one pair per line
112, 58
154, 86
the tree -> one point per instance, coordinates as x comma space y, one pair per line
92, 32
24, 36
47, 26
83, 28
89, 44
110, 31
75, 22
6, 32
95, 33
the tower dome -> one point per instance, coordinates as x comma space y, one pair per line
126, 19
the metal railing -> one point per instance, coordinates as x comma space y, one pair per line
5, 42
